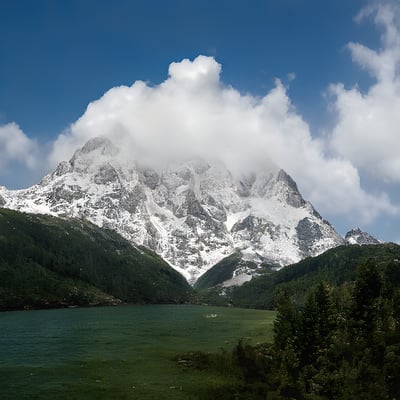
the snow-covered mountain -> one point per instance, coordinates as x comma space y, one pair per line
357, 236
193, 213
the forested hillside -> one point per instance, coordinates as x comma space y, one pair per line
336, 266
51, 262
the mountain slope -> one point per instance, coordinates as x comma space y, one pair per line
193, 213
336, 266
232, 271
46, 261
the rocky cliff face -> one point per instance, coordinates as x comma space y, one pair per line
193, 214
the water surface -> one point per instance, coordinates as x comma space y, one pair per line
116, 352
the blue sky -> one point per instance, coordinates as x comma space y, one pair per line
59, 56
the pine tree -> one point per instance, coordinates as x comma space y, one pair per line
287, 321
365, 300
317, 324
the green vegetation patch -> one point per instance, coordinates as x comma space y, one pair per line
48, 262
336, 266
220, 272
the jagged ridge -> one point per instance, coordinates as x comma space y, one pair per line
192, 213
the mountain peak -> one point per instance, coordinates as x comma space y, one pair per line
193, 213
94, 153
99, 145
283, 176
358, 236
278, 184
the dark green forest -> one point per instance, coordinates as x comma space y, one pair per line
337, 266
343, 343
49, 262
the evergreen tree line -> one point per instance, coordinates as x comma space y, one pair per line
344, 343
48, 262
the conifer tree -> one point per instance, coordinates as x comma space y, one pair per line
366, 305
317, 323
287, 321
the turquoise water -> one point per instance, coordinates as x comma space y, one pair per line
116, 352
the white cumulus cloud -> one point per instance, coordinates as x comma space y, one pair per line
367, 132
194, 114
15, 146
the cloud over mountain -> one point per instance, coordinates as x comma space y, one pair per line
194, 114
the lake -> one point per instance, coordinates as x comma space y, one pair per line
124, 352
